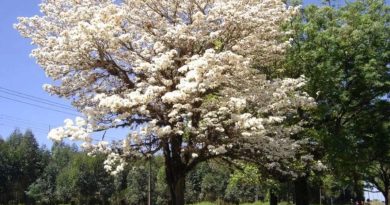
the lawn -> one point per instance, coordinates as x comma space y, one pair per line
255, 203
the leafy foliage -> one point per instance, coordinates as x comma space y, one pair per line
345, 54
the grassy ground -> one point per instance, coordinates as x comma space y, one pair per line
267, 203
256, 203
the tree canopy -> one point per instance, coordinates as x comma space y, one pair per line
345, 53
180, 70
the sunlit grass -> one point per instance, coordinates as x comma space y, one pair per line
255, 203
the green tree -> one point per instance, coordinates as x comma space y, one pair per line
214, 184
26, 163
85, 181
43, 190
5, 171
162, 190
194, 183
375, 131
244, 185
137, 191
344, 53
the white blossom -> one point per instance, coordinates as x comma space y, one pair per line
177, 69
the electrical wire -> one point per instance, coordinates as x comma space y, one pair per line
34, 98
24, 125
22, 120
39, 106
6, 120
32, 128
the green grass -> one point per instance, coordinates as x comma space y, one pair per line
256, 203
204, 203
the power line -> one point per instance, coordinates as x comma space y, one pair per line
18, 92
33, 98
39, 106
15, 127
23, 122
13, 118
24, 126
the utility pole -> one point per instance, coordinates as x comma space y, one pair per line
149, 182
150, 172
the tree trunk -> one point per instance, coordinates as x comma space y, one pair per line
179, 191
273, 199
176, 184
301, 191
175, 171
387, 191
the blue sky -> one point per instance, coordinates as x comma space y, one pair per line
20, 73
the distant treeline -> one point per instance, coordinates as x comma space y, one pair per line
30, 174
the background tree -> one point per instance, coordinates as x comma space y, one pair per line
375, 131
44, 189
5, 170
245, 185
344, 52
22, 162
85, 181
138, 179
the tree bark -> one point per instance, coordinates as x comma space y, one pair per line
381, 180
176, 184
386, 196
175, 171
386, 180
179, 191
273, 199
301, 191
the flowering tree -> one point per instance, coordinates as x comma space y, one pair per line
179, 69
